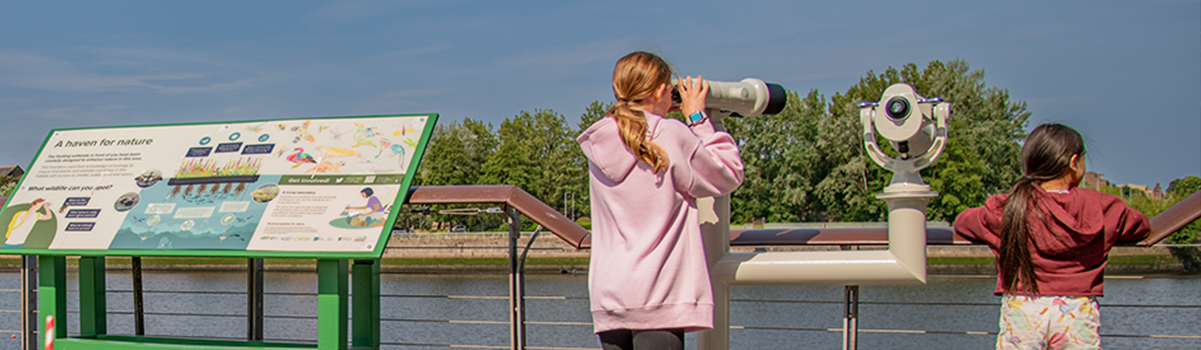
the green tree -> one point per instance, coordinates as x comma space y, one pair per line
780, 157
594, 112
980, 159
1184, 187
455, 155
7, 185
582, 201
1190, 257
457, 152
537, 152
1178, 190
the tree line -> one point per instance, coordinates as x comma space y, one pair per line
806, 163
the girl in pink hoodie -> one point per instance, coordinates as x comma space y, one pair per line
648, 279
1052, 240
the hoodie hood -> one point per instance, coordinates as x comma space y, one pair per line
603, 146
1070, 222
1059, 222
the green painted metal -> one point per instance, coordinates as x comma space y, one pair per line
204, 253
92, 307
333, 291
333, 285
52, 295
378, 251
332, 303
365, 325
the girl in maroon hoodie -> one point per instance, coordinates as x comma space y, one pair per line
1052, 240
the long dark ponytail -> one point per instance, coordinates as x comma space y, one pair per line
1046, 156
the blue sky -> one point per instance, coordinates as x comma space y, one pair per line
1126, 74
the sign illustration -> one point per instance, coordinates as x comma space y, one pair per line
305, 185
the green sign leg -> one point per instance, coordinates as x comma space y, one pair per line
332, 294
92, 309
52, 295
365, 322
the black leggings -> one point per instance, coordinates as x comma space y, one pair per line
657, 339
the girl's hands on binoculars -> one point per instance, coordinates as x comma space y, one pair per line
692, 94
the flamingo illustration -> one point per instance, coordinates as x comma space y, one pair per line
394, 148
300, 158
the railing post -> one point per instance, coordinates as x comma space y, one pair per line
139, 312
850, 324
93, 313
29, 299
332, 294
364, 300
516, 285
714, 215
254, 299
52, 295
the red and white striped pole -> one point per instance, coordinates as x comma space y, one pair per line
49, 334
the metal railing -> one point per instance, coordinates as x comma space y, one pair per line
581, 326
516, 202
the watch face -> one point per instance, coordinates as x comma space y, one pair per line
696, 117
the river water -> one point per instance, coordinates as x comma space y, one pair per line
419, 315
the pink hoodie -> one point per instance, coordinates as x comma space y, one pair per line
648, 267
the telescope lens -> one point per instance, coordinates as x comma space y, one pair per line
777, 98
897, 107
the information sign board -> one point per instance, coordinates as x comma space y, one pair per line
320, 187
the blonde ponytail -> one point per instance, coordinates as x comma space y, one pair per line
635, 77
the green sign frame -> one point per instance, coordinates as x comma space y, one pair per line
84, 169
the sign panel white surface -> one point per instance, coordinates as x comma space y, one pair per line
305, 185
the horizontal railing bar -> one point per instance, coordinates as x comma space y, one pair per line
559, 297
450, 345
291, 317
468, 247
732, 327
908, 331
175, 314
218, 292
949, 304
899, 331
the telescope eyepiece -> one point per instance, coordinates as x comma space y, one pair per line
897, 108
777, 99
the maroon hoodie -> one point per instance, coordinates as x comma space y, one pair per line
1071, 234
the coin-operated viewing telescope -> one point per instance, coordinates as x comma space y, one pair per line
747, 98
915, 126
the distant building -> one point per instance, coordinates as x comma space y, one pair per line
1094, 181
1142, 188
14, 171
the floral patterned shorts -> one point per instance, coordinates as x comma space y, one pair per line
1049, 322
